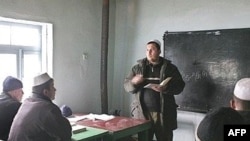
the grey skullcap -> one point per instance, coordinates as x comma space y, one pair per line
155, 41
11, 83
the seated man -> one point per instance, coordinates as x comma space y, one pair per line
39, 119
241, 98
211, 127
9, 104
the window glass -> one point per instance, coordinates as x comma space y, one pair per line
4, 34
31, 67
8, 65
25, 36
25, 50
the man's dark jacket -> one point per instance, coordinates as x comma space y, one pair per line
39, 119
168, 104
8, 110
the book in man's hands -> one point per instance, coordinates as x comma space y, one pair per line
78, 128
163, 83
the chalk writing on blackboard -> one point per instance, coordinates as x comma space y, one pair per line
210, 62
194, 75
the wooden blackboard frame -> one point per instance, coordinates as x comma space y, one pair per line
211, 62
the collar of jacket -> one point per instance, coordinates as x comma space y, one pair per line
36, 95
5, 95
145, 60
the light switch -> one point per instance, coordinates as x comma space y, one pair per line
84, 56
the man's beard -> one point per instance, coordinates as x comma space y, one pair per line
153, 60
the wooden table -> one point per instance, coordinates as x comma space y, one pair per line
90, 134
120, 127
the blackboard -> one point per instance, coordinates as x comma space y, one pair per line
211, 62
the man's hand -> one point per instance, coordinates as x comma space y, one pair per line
158, 88
137, 79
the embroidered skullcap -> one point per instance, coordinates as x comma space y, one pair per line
41, 79
242, 89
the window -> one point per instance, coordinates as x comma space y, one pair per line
25, 50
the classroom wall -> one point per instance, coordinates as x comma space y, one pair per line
77, 30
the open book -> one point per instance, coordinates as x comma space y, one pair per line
163, 83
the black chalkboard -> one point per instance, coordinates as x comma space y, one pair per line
211, 62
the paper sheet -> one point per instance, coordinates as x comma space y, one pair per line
91, 116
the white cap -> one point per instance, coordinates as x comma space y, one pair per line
242, 89
155, 41
41, 79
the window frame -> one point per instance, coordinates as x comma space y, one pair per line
45, 49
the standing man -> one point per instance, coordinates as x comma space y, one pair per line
157, 102
38, 118
241, 98
10, 101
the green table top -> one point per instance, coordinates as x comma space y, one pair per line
90, 133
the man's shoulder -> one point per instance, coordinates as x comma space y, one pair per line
8, 101
38, 102
168, 62
41, 106
142, 60
140, 63
165, 60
